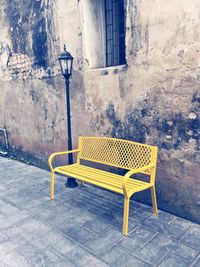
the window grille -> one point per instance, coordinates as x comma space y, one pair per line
115, 32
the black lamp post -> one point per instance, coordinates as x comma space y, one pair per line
66, 62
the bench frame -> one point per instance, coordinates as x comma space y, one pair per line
149, 169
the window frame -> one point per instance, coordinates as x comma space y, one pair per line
116, 42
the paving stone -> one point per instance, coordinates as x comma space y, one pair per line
28, 205
11, 220
131, 244
183, 251
117, 205
197, 263
12, 232
3, 189
96, 262
84, 217
116, 220
64, 246
79, 256
100, 192
91, 222
112, 254
89, 202
162, 241
192, 238
5, 265
14, 259
96, 225
25, 198
33, 228
12, 165
4, 159
3, 237
61, 195
9, 245
76, 232
164, 216
130, 261
164, 228
106, 207
97, 210
38, 244
46, 213
76, 204
140, 215
7, 209
104, 241
62, 263
141, 209
150, 253
171, 260
142, 206
143, 233
183, 223
38, 257
55, 239
174, 247
41, 212
58, 206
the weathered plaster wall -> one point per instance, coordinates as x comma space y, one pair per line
32, 98
154, 99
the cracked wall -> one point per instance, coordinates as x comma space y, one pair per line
154, 99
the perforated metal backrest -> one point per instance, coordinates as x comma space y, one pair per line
116, 152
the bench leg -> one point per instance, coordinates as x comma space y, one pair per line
154, 202
126, 215
82, 183
52, 186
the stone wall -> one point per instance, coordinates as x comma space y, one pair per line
154, 99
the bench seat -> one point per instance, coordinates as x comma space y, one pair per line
101, 178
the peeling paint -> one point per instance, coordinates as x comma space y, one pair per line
30, 33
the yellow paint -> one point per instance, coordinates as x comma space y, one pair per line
135, 157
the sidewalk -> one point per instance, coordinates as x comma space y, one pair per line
82, 226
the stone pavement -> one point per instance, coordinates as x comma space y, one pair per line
82, 226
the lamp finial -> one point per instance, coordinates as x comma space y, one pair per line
65, 47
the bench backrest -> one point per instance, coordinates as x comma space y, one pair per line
116, 152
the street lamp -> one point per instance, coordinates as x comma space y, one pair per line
66, 62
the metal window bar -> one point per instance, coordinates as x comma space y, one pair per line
115, 32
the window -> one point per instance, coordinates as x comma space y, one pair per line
104, 32
115, 32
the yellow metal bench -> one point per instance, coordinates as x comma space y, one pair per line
131, 156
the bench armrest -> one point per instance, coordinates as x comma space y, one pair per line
132, 172
58, 154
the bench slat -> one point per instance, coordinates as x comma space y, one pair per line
103, 175
101, 178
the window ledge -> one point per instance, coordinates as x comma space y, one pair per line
108, 70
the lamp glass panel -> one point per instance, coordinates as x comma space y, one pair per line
64, 64
69, 65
